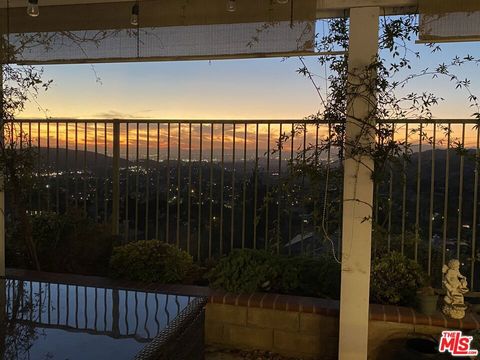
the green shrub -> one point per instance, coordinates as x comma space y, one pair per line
246, 271
69, 242
395, 280
314, 276
150, 261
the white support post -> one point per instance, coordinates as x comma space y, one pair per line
357, 192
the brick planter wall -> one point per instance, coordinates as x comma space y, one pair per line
307, 327
291, 333
288, 325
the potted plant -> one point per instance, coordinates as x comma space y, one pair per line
427, 300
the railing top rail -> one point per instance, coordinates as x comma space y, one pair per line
171, 121
238, 121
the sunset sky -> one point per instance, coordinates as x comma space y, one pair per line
227, 89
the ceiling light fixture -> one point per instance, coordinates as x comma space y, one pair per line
134, 16
231, 5
32, 8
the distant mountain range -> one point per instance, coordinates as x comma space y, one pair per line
70, 158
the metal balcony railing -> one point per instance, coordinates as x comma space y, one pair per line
209, 186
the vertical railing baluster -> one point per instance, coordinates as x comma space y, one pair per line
116, 179
39, 169
147, 184
67, 170
417, 202
232, 213
302, 221
460, 194
30, 134
167, 210
404, 190
21, 134
137, 178
48, 166
255, 190
96, 171
127, 182
105, 184
200, 195
30, 196
57, 175
474, 212
390, 199
315, 201
75, 178
85, 148
189, 196
222, 190
432, 197
279, 205
445, 200
244, 194
179, 180
157, 184
12, 132
292, 145
267, 188
210, 195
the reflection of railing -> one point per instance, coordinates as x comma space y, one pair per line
203, 185
99, 311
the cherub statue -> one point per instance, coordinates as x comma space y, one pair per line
456, 286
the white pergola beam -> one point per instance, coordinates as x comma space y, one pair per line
338, 8
349, 4
22, 3
358, 189
321, 4
325, 8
